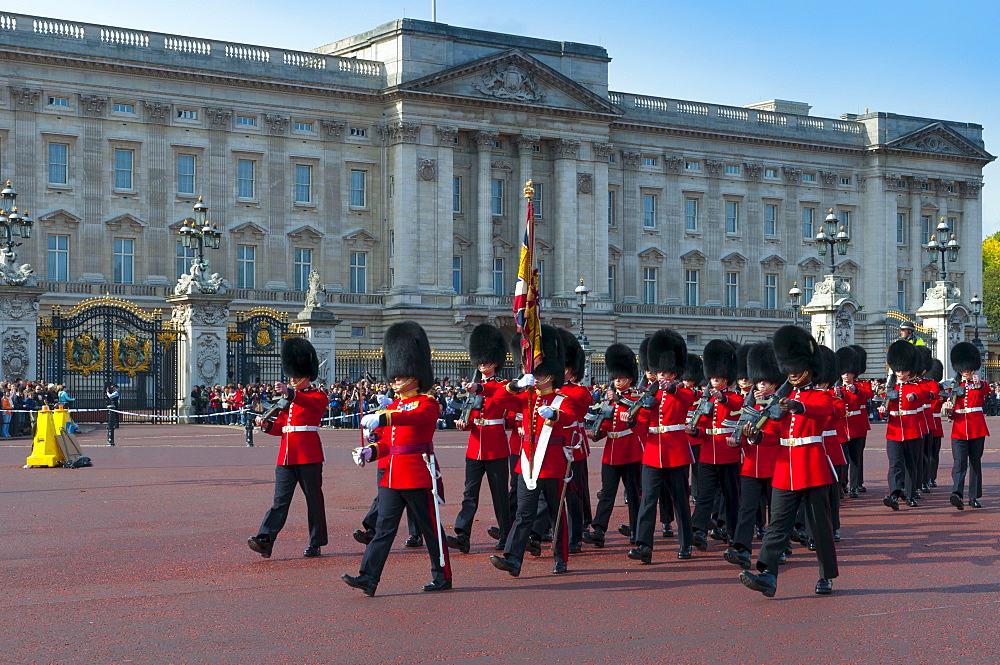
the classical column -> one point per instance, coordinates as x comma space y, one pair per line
601, 240
442, 174
525, 150
93, 179
335, 206
273, 197
484, 215
631, 223
19, 332
204, 320
24, 170
401, 138
567, 222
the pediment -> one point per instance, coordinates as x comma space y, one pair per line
543, 247
60, 216
811, 264
359, 237
939, 139
694, 257
512, 77
126, 221
500, 241
305, 233
773, 261
734, 259
462, 241
652, 254
614, 252
248, 230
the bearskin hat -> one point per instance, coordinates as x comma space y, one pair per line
694, 370
515, 352
848, 358
762, 365
644, 355
829, 370
862, 358
936, 372
667, 351
486, 345
965, 357
554, 356
925, 355
741, 361
298, 358
620, 362
795, 350
720, 360
902, 357
576, 359
406, 352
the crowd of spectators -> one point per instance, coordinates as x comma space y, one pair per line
20, 402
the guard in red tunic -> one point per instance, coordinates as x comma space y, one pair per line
936, 374
404, 434
719, 459
835, 432
667, 456
488, 448
930, 387
544, 455
300, 454
578, 503
968, 429
622, 457
857, 392
758, 460
802, 472
906, 427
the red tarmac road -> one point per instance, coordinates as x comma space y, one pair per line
143, 559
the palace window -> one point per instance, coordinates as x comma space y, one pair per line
245, 169
691, 288
649, 286
359, 190
302, 266
124, 161
183, 257
58, 258
303, 183
124, 260
359, 272
770, 220
58, 163
185, 174
732, 289
246, 266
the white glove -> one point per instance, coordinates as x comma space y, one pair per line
384, 401
546, 411
361, 455
526, 380
568, 452
370, 421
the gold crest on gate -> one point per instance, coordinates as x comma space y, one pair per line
130, 355
84, 353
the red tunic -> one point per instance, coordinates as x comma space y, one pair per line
906, 414
758, 461
714, 449
667, 445
408, 434
582, 399
968, 421
302, 447
835, 433
932, 389
554, 462
487, 436
857, 409
514, 424
623, 444
802, 462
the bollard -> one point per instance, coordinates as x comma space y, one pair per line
248, 426
112, 425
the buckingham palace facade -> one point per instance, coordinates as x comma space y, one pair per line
393, 162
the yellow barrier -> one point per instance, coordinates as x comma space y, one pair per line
45, 450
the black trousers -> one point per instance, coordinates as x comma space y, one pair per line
675, 480
514, 477
968, 458
784, 506
578, 501
935, 459
419, 504
696, 449
903, 466
371, 519
611, 474
856, 462
310, 478
713, 479
496, 471
753, 491
922, 454
666, 507
527, 508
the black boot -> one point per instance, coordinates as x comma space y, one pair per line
366, 583
261, 544
766, 582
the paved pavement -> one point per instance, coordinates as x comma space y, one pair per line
143, 559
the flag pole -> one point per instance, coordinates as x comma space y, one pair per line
529, 331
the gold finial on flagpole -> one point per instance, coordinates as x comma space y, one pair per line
529, 191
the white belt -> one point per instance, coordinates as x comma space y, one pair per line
481, 422
300, 428
666, 428
937, 415
801, 441
719, 431
830, 432
854, 413
971, 409
618, 435
905, 413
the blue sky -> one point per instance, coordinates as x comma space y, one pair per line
921, 58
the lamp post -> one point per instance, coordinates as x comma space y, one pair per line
581, 292
943, 242
15, 225
199, 232
832, 234
795, 293
977, 309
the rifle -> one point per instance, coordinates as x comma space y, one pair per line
472, 403
646, 401
702, 408
596, 415
890, 392
751, 417
269, 416
952, 388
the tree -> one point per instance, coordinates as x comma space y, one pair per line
991, 251
991, 280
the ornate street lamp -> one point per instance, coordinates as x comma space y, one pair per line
14, 225
977, 309
943, 242
581, 301
200, 234
795, 294
833, 235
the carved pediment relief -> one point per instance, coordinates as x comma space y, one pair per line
359, 237
504, 244
939, 139
501, 164
652, 254
247, 231
693, 258
614, 252
462, 242
773, 262
734, 260
126, 221
810, 265
60, 216
848, 267
512, 76
543, 247
305, 233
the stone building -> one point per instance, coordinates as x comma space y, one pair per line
392, 162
